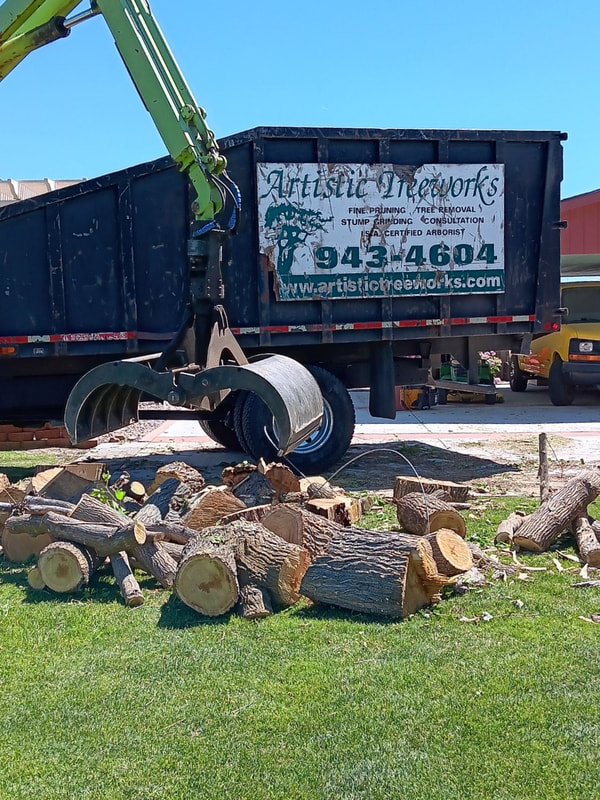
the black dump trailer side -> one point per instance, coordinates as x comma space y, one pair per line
368, 254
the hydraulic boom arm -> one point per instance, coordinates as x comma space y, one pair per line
26, 25
107, 397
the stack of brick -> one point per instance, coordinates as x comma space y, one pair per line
13, 437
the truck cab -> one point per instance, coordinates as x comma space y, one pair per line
569, 357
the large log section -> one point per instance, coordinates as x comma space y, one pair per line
421, 513
207, 577
388, 574
541, 529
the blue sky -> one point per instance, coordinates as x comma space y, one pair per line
70, 110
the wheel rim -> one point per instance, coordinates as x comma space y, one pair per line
316, 440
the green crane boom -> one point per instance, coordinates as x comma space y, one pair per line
26, 25
107, 397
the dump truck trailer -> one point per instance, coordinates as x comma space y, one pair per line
367, 255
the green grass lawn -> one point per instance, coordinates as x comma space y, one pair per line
101, 701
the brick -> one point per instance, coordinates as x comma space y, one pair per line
49, 433
19, 436
9, 428
62, 442
88, 443
3, 437
36, 444
10, 445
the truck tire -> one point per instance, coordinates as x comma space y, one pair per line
518, 378
561, 393
324, 448
222, 431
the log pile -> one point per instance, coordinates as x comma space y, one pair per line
564, 511
259, 542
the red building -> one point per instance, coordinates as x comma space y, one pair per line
580, 240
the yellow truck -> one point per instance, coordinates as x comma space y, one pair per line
569, 357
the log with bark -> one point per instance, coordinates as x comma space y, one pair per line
451, 553
156, 561
128, 585
254, 603
103, 539
507, 527
406, 484
587, 541
168, 501
65, 566
254, 490
389, 574
542, 528
179, 471
206, 578
268, 561
210, 506
424, 513
34, 579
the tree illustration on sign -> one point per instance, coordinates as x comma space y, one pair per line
291, 226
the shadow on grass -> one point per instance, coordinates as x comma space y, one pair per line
379, 464
328, 613
374, 470
175, 615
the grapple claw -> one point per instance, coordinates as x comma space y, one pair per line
107, 397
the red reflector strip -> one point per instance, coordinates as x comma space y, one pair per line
52, 338
362, 326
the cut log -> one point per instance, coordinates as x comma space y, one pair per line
89, 509
422, 514
281, 478
506, 529
379, 573
406, 484
587, 541
254, 490
103, 539
267, 561
450, 552
154, 559
130, 588
66, 567
206, 578
34, 579
136, 490
231, 476
68, 482
168, 501
254, 603
341, 508
542, 528
173, 549
19, 547
253, 514
12, 496
179, 471
210, 506
287, 522
320, 489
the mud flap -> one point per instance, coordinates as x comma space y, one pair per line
106, 398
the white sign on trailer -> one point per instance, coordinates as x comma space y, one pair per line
340, 231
